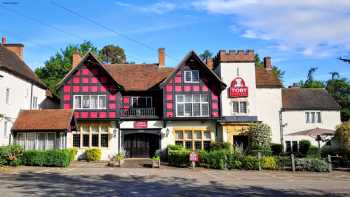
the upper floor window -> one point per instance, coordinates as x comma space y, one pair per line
90, 102
313, 117
239, 107
191, 76
7, 96
141, 102
35, 102
192, 105
6, 128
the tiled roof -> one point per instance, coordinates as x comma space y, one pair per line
266, 79
11, 63
138, 77
307, 99
314, 132
43, 120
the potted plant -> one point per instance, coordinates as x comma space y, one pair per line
117, 160
156, 161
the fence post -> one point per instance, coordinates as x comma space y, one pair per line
293, 162
259, 158
329, 163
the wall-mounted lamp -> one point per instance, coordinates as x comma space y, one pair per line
115, 132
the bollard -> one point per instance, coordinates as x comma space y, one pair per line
259, 158
329, 163
293, 162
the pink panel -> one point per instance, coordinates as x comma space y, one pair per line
178, 74
76, 80
214, 97
169, 114
126, 107
66, 89
171, 81
84, 114
85, 71
77, 114
178, 89
187, 88
103, 115
66, 97
112, 106
85, 88
126, 100
215, 114
66, 106
196, 88
93, 88
169, 106
112, 114
94, 71
103, 79
169, 97
85, 80
112, 97
103, 89
169, 88
76, 88
93, 114
204, 88
69, 82
94, 80
177, 79
78, 72
215, 105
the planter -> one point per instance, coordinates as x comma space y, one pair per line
117, 163
155, 163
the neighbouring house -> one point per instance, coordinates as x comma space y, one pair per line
44, 129
306, 114
20, 88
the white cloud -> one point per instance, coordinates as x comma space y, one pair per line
312, 27
156, 8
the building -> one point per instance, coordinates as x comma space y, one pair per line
20, 88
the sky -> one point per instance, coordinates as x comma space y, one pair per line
297, 35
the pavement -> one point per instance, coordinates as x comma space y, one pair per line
95, 179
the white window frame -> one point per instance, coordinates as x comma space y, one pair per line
6, 127
90, 103
137, 100
313, 117
184, 102
7, 96
239, 107
192, 74
35, 102
35, 136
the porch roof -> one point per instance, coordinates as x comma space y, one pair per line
314, 132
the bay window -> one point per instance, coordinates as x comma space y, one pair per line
192, 105
41, 140
90, 101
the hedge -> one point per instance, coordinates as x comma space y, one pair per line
50, 158
179, 158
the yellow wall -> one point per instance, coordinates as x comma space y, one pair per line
234, 130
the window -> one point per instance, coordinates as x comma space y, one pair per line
94, 130
141, 102
104, 136
93, 135
196, 105
6, 127
288, 147
313, 117
193, 139
40, 140
76, 139
191, 76
239, 107
35, 102
90, 102
7, 96
292, 146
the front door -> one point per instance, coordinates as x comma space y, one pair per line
141, 145
240, 142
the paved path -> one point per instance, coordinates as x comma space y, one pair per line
96, 180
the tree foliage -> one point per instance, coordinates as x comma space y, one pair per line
342, 136
259, 137
310, 80
112, 54
206, 54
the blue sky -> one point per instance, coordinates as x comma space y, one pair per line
296, 34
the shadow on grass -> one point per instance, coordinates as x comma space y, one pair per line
55, 184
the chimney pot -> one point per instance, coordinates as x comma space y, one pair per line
161, 57
267, 63
76, 58
3, 40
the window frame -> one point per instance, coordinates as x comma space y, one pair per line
148, 99
7, 96
192, 74
192, 104
81, 107
313, 117
184, 140
239, 107
100, 129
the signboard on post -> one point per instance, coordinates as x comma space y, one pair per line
194, 158
238, 88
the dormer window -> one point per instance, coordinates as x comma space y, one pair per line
191, 76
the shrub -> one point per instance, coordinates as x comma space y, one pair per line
316, 165
11, 155
276, 149
342, 136
72, 152
34, 158
175, 147
269, 163
313, 152
233, 161
179, 158
213, 159
93, 154
304, 146
259, 137
220, 146
3, 155
284, 162
250, 162
57, 158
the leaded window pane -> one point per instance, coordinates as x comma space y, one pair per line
205, 109
86, 102
243, 107
94, 102
196, 109
188, 109
235, 107
102, 102
77, 100
104, 140
204, 98
51, 137
76, 140
196, 98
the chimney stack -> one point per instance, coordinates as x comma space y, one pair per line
161, 57
16, 48
267, 63
76, 58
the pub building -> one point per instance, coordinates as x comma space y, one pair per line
137, 109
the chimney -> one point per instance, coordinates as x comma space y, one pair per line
267, 63
17, 48
76, 58
210, 63
161, 57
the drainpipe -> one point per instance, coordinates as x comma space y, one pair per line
282, 125
31, 96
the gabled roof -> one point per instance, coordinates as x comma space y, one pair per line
193, 55
43, 120
307, 99
13, 64
314, 132
266, 79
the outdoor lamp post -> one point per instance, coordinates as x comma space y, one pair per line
319, 139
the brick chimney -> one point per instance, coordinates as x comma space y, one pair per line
210, 63
17, 48
267, 63
76, 58
161, 57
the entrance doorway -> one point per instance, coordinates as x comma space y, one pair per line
240, 142
141, 145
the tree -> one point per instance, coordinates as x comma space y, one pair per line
259, 137
342, 136
345, 59
206, 54
310, 81
276, 71
112, 54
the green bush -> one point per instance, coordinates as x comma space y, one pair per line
175, 147
178, 158
233, 161
93, 154
304, 146
284, 162
72, 152
269, 163
259, 138
276, 149
311, 164
250, 162
34, 158
50, 158
220, 146
11, 155
313, 152
3, 155
213, 159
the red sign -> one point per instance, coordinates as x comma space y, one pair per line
238, 88
194, 157
140, 124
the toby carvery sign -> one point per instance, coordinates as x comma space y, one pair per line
238, 88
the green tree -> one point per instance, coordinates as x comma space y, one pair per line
112, 54
310, 80
259, 137
206, 54
342, 136
277, 71
59, 65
